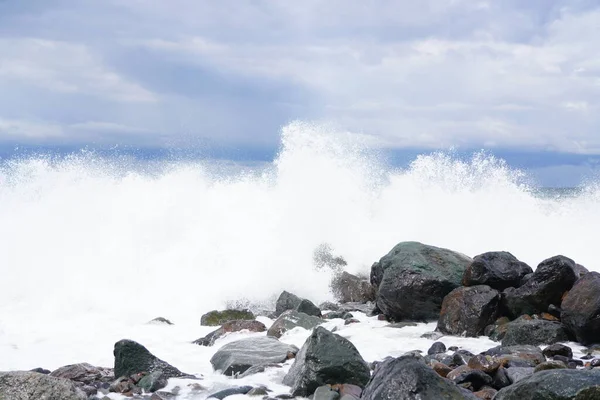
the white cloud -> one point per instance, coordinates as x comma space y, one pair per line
65, 67
13, 129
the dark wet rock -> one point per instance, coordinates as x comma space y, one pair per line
554, 311
230, 392
216, 318
326, 358
580, 270
461, 357
581, 309
534, 332
326, 393
436, 348
328, 305
558, 350
27, 385
552, 278
515, 374
291, 319
237, 357
481, 362
476, 378
41, 371
497, 269
442, 369
550, 365
413, 279
468, 310
561, 384
350, 288
525, 352
288, 301
160, 321
153, 381
256, 369
407, 378
85, 373
497, 330
132, 358
338, 314
228, 327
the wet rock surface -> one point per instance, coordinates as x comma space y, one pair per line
497, 269
469, 310
21, 385
291, 319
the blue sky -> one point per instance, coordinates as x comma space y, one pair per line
521, 79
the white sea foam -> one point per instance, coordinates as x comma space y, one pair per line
92, 248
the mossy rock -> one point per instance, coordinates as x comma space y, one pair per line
217, 318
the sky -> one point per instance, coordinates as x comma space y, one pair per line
518, 78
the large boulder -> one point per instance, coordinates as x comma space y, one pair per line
468, 310
552, 278
558, 384
237, 357
581, 309
407, 378
497, 269
21, 385
326, 358
289, 301
413, 279
534, 332
216, 318
350, 288
292, 319
132, 358
228, 327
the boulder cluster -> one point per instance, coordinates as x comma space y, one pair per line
531, 313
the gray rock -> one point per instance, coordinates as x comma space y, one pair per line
84, 373
289, 301
515, 374
433, 335
153, 381
237, 357
468, 310
406, 378
534, 332
325, 393
558, 349
581, 309
413, 279
228, 327
27, 385
525, 352
230, 392
552, 278
291, 319
558, 384
437, 348
350, 288
326, 358
132, 358
497, 269
366, 308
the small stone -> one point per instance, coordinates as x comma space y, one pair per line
258, 391
550, 365
160, 321
441, 369
432, 335
486, 393
437, 348
325, 393
558, 349
351, 321
484, 363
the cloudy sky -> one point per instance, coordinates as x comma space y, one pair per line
510, 76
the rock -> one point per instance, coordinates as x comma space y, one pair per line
228, 327
230, 392
501, 379
497, 330
436, 348
41, 371
442, 369
160, 321
476, 378
257, 369
515, 374
560, 384
550, 365
462, 357
289, 301
328, 305
486, 393
368, 308
351, 321
326, 393
84, 373
402, 324
153, 381
132, 358
326, 358
413, 279
580, 270
236, 357
291, 319
406, 378
338, 314
27, 385
216, 318
558, 350
525, 352
258, 391
497, 269
581, 309
487, 364
468, 310
350, 288
552, 278
432, 335
534, 332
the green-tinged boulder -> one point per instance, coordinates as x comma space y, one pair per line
133, 358
216, 318
413, 279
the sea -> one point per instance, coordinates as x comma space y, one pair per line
92, 247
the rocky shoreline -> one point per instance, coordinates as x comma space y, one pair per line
531, 313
